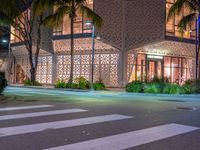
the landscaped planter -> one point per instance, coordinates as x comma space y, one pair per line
162, 87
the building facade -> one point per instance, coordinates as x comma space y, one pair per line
135, 43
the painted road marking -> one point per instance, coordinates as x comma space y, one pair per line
37, 114
59, 124
24, 107
130, 139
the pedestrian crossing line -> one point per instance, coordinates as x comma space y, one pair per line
130, 139
16, 130
24, 107
38, 114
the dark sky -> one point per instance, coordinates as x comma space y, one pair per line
3, 37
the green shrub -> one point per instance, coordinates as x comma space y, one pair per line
189, 82
74, 86
153, 88
3, 82
135, 86
187, 89
159, 80
172, 89
27, 82
194, 85
82, 83
61, 84
30, 83
99, 86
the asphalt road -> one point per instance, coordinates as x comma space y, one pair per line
36, 119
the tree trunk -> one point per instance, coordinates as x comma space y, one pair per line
72, 51
34, 59
33, 75
72, 16
32, 68
38, 44
30, 57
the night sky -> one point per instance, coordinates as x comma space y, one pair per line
3, 36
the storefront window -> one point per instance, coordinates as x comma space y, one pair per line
176, 69
167, 61
140, 73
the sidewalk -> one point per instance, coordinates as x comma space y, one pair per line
111, 92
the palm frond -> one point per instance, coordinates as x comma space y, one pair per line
56, 18
81, 2
10, 8
41, 6
176, 8
186, 21
92, 15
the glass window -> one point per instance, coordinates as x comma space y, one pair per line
175, 62
176, 69
140, 59
167, 61
175, 75
167, 72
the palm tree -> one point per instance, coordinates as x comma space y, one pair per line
192, 17
40, 7
70, 8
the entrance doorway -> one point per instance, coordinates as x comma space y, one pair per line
154, 68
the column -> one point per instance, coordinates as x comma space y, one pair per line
54, 68
122, 69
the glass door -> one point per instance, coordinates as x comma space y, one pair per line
154, 69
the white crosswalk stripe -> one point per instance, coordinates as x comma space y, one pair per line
38, 114
25, 107
130, 139
113, 142
59, 124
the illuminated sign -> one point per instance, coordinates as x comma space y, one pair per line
154, 57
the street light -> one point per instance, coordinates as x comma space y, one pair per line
89, 23
4, 41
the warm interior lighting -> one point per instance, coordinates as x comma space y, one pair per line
154, 57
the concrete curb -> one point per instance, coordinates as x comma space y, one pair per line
112, 93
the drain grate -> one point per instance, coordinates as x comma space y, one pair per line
186, 108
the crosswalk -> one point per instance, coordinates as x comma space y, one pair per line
113, 142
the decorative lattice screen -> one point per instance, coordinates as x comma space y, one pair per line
105, 67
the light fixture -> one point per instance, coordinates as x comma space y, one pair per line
154, 57
5, 41
98, 38
88, 23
